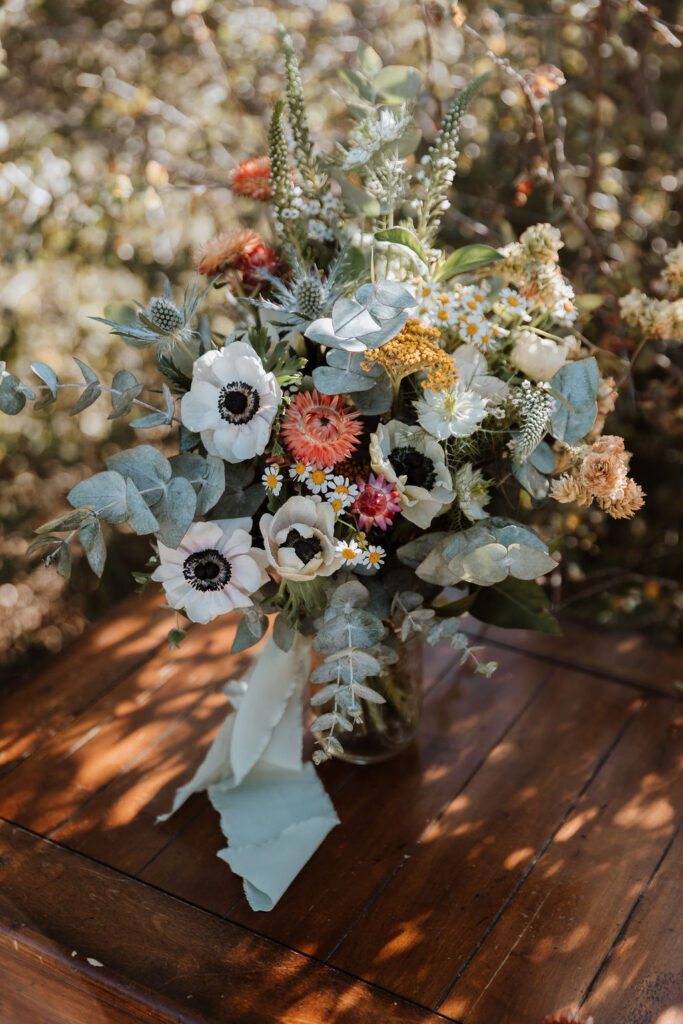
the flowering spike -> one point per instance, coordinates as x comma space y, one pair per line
303, 143
439, 164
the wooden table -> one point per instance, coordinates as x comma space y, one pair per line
520, 859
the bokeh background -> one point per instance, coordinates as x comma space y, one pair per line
119, 122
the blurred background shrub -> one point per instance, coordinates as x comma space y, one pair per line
119, 122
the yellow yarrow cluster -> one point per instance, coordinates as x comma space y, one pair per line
415, 348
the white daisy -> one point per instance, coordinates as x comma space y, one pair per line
341, 489
272, 480
232, 402
319, 481
213, 570
300, 471
350, 552
470, 325
513, 302
456, 412
415, 463
374, 556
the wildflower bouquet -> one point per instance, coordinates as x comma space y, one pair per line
358, 443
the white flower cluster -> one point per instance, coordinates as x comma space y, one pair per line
376, 131
322, 215
465, 312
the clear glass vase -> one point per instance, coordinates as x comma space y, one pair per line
388, 728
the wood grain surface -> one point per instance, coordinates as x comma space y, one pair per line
521, 858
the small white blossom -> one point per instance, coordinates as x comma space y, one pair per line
319, 481
350, 552
272, 480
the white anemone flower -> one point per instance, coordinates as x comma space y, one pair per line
213, 570
470, 490
474, 376
299, 539
415, 463
454, 412
232, 402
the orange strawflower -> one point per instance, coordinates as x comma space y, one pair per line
243, 251
319, 429
252, 178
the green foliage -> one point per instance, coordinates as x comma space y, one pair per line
576, 387
467, 259
515, 604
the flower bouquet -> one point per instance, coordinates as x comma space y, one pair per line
351, 456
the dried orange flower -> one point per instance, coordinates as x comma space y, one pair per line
415, 348
252, 178
604, 469
243, 251
628, 504
569, 488
565, 1018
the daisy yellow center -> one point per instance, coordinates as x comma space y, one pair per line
471, 329
512, 300
443, 314
374, 557
272, 481
337, 504
300, 468
318, 476
348, 553
341, 489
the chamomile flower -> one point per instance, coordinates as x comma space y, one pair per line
272, 480
374, 556
513, 302
319, 481
343, 490
470, 326
300, 471
350, 552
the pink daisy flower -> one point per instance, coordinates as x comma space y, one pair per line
377, 503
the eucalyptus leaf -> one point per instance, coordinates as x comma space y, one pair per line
466, 259
47, 375
91, 537
152, 419
250, 629
122, 403
140, 519
12, 397
86, 398
283, 634
69, 521
89, 376
577, 382
368, 59
351, 594
43, 542
105, 493
149, 470
64, 561
359, 628
175, 512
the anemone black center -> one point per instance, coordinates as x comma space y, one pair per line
305, 548
207, 570
238, 402
417, 467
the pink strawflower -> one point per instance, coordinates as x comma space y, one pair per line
321, 430
377, 503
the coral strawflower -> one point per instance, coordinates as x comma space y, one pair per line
320, 429
243, 251
377, 503
252, 178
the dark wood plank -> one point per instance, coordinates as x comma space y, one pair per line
108, 650
630, 657
51, 785
162, 959
31, 994
386, 809
642, 980
427, 921
557, 931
